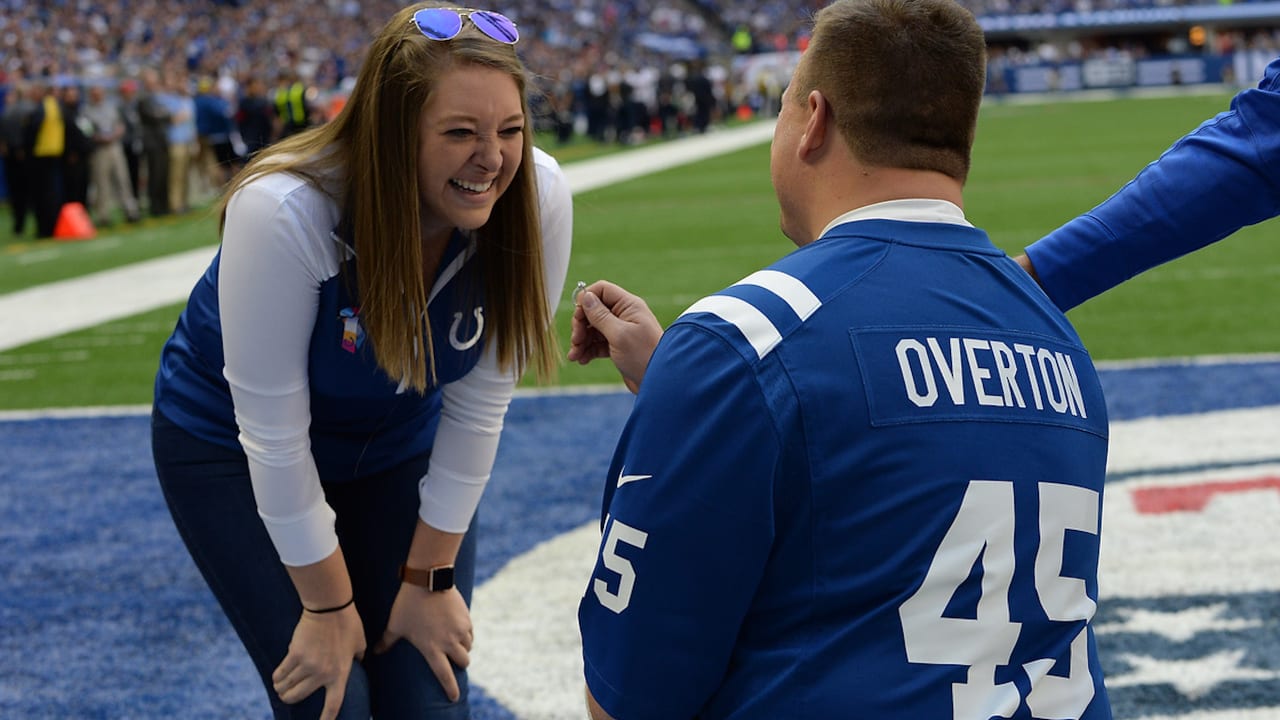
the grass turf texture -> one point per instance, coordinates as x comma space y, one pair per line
680, 234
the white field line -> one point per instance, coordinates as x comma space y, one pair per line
57, 308
71, 413
598, 172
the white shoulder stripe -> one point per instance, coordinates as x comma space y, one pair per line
795, 293
752, 323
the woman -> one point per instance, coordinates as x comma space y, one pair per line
322, 441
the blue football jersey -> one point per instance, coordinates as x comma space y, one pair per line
362, 421
865, 482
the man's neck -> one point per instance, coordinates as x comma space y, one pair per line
871, 185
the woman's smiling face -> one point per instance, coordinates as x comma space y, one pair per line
471, 144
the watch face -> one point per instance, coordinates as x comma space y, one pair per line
441, 578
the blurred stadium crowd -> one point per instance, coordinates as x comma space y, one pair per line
185, 89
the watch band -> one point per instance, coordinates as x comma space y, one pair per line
436, 579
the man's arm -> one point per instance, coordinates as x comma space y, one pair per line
1219, 178
687, 530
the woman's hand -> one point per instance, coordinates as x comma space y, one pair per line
438, 624
320, 656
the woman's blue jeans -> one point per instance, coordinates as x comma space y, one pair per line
210, 497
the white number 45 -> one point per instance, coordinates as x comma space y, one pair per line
983, 527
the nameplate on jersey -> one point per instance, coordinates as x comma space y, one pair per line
915, 374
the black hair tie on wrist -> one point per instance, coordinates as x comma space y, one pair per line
333, 609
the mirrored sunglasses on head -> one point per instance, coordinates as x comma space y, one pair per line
446, 23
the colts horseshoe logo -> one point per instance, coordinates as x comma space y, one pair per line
467, 344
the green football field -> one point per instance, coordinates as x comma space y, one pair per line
683, 233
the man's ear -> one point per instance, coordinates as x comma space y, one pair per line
816, 128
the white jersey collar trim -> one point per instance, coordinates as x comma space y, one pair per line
913, 210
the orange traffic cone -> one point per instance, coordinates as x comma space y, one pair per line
73, 223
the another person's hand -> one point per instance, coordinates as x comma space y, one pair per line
438, 624
611, 322
1025, 263
320, 656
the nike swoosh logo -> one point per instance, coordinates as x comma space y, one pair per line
624, 479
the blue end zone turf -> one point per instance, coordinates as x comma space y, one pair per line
102, 613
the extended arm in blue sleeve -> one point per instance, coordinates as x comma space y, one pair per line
1215, 180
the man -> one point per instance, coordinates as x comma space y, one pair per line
79, 143
254, 117
1215, 180
108, 167
132, 140
19, 108
45, 145
216, 158
292, 107
156, 119
866, 481
182, 140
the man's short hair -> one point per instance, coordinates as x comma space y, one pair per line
904, 79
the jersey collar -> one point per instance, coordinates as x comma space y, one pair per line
912, 210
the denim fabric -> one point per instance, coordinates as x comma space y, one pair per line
209, 495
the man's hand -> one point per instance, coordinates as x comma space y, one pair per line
320, 656
438, 624
611, 322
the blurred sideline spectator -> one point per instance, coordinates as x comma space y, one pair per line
254, 118
617, 71
109, 183
294, 111
20, 107
46, 141
78, 144
131, 142
156, 118
217, 157
182, 140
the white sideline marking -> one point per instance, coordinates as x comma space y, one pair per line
591, 174
58, 308
1190, 360
72, 413
46, 311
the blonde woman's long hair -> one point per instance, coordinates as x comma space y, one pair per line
373, 145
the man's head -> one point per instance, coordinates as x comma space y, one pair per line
903, 78
151, 80
886, 86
